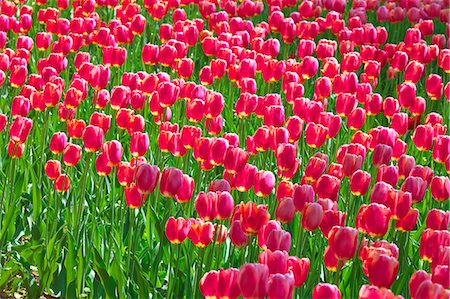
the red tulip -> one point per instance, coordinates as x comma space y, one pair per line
92, 138
343, 242
177, 229
147, 177
285, 211
441, 149
264, 183
113, 151
331, 218
201, 233
326, 290
280, 286
312, 216
20, 129
440, 188
373, 219
253, 280
101, 165
171, 181
62, 183
252, 216
299, 269
438, 219
360, 182
53, 169
382, 270
276, 261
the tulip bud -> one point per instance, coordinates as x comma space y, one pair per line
177, 229
62, 183
171, 180
53, 169
146, 177
360, 182
326, 290
312, 216
343, 242
253, 280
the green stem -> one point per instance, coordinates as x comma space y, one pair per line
81, 200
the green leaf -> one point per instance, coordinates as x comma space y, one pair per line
108, 283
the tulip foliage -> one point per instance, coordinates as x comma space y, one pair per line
224, 149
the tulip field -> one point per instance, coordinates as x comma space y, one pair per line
225, 149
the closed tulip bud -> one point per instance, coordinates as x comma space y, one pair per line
280, 286
147, 177
416, 280
224, 205
214, 125
72, 154
438, 219
416, 186
18, 75
220, 284
186, 190
326, 290
133, 197
302, 194
423, 137
253, 280
279, 240
360, 182
235, 160
434, 86
264, 183
237, 235
343, 242
171, 180
219, 185
351, 163
388, 174
382, 270
285, 211
312, 216
408, 222
322, 87
53, 169
328, 186
441, 149
276, 261
92, 138
264, 232
20, 129
101, 165
139, 144
62, 183
315, 168
382, 154
294, 125
113, 151
414, 71
406, 94
405, 165
440, 188
316, 135
244, 179
356, 119
125, 173
58, 143
373, 219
